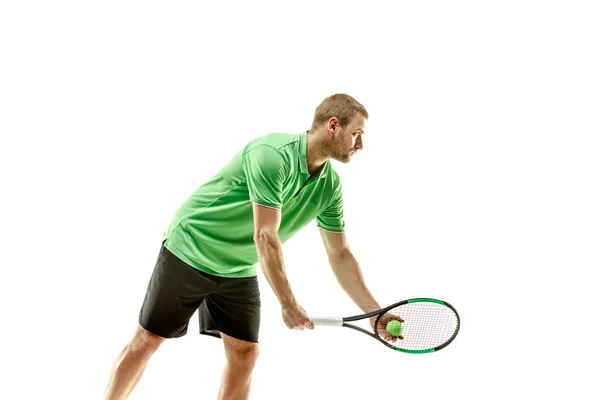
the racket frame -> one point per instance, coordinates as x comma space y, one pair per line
330, 321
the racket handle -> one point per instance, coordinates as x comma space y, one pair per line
327, 321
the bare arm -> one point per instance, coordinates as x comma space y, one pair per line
270, 253
347, 270
270, 256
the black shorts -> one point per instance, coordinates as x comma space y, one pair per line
176, 290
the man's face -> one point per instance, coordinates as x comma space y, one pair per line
347, 141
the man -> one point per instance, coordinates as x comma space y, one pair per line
270, 189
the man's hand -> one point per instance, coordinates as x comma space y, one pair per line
295, 317
383, 323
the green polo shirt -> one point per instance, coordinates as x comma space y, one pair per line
213, 230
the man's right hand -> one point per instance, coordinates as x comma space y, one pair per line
295, 317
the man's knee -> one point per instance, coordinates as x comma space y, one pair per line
240, 353
144, 343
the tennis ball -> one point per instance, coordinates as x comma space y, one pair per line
394, 328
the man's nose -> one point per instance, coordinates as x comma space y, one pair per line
359, 143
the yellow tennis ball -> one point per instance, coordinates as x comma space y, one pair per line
394, 328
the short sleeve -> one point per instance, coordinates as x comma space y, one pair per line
264, 167
332, 218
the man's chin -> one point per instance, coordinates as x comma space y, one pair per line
349, 157
344, 159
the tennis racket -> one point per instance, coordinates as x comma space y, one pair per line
417, 326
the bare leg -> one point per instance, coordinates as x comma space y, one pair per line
237, 375
131, 363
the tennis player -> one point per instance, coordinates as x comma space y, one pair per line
240, 218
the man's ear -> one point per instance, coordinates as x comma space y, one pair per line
332, 125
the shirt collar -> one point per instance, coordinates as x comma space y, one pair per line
302, 157
302, 153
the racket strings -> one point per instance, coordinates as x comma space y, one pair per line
426, 325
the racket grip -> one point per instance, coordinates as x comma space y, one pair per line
327, 321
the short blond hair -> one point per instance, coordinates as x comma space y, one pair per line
341, 106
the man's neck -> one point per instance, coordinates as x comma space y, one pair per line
315, 156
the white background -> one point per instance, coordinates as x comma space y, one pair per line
478, 184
